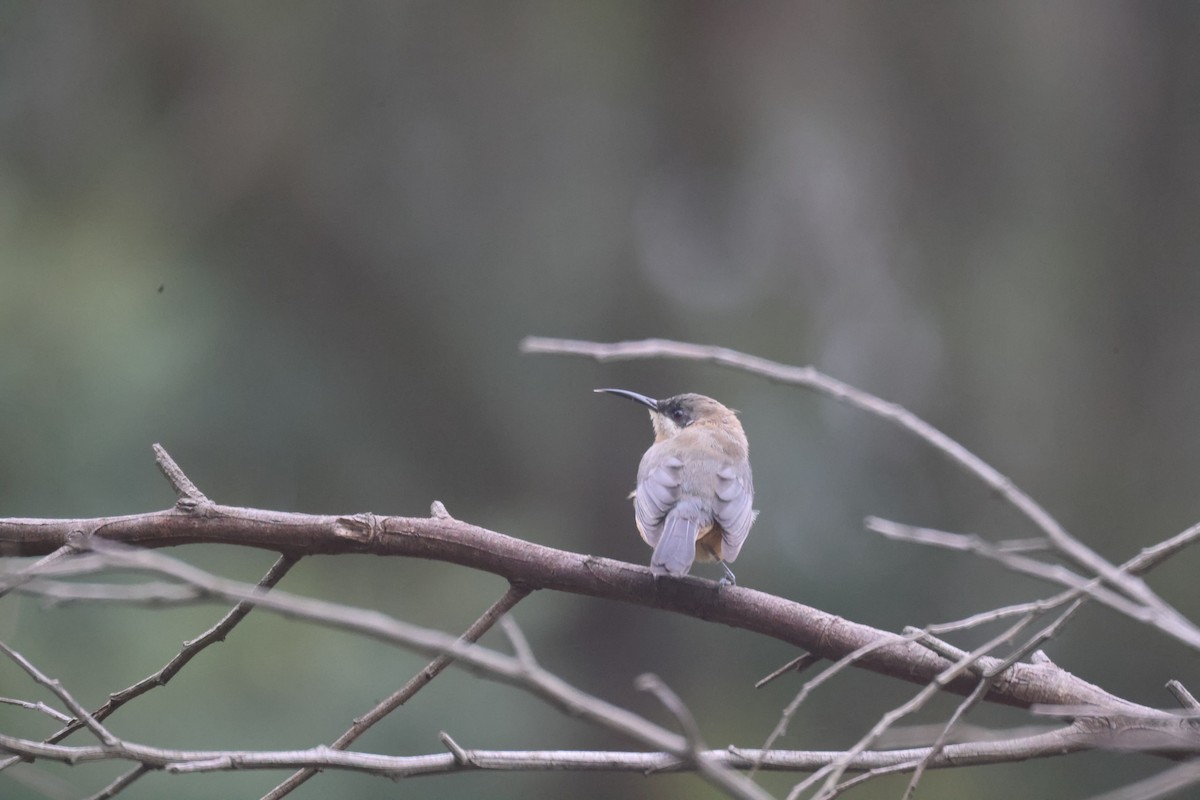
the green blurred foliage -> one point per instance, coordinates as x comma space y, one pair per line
297, 243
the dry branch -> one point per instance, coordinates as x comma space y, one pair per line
539, 567
1062, 740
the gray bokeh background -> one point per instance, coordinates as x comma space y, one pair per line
298, 243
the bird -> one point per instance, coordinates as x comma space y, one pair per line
695, 490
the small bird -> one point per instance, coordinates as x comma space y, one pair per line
695, 491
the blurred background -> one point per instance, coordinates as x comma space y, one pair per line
298, 244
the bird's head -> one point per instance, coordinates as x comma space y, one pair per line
673, 414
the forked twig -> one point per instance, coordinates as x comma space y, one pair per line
405, 693
190, 650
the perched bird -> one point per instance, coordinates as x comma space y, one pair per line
695, 493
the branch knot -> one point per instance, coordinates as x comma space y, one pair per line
363, 527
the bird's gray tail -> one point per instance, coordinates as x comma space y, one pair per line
676, 548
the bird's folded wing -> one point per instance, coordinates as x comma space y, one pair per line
657, 494
734, 508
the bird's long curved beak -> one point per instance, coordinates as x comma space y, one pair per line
649, 402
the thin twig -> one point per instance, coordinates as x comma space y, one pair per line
988, 668
939, 744
121, 782
490, 663
1016, 562
985, 664
461, 756
193, 647
989, 675
152, 594
61, 692
649, 682
967, 663
524, 674
1185, 698
363, 723
734, 784
1163, 784
190, 650
12, 580
1048, 744
1144, 561
922, 735
797, 664
39, 706
811, 684
1035, 607
520, 644
180, 482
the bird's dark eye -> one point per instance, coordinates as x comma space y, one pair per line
679, 416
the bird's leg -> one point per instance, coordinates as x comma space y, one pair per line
730, 579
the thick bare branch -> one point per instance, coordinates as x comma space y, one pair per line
536, 566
